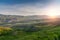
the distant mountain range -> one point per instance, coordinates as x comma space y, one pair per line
26, 19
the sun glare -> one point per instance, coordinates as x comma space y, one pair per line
52, 12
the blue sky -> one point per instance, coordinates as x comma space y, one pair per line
22, 1
23, 7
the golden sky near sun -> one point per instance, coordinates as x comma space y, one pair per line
52, 10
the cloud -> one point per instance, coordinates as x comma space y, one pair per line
22, 9
29, 8
18, 10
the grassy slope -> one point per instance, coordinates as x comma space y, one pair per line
49, 33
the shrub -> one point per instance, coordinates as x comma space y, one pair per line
5, 30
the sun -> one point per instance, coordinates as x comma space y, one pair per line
52, 12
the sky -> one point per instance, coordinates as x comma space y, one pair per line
29, 7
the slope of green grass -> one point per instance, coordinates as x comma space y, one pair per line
45, 33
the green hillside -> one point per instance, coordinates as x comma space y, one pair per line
44, 33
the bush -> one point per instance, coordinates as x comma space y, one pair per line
5, 30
